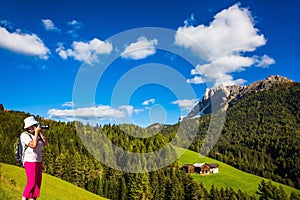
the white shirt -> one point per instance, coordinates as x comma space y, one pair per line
31, 155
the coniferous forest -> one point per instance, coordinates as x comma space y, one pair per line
68, 159
261, 136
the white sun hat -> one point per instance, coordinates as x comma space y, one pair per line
29, 121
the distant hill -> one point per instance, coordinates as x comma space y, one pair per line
13, 180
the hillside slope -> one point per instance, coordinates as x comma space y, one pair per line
228, 176
13, 180
67, 158
261, 133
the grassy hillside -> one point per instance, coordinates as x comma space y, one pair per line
228, 176
13, 180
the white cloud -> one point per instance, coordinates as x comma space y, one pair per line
49, 25
61, 51
140, 49
218, 71
6, 23
226, 79
23, 43
196, 80
190, 21
223, 65
186, 104
75, 25
85, 51
147, 102
126, 108
101, 112
222, 44
265, 61
68, 104
232, 31
137, 111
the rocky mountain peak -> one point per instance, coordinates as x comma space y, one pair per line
267, 83
210, 92
218, 98
278, 78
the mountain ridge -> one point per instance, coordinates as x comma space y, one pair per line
219, 98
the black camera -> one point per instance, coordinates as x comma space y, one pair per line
44, 126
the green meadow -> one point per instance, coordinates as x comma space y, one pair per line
228, 176
13, 181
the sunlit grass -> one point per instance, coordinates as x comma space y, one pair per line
228, 176
14, 179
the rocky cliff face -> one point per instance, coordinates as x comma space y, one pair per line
218, 99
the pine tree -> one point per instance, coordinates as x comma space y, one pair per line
268, 191
294, 196
214, 193
123, 190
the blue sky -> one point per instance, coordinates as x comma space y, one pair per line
98, 61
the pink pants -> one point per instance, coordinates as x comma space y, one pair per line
34, 179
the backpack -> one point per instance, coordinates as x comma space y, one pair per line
19, 152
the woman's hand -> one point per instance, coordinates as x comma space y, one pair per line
34, 141
38, 130
41, 132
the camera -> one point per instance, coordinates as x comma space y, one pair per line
44, 126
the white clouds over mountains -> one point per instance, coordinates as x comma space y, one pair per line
231, 32
226, 45
222, 45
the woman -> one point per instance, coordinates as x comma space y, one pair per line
33, 140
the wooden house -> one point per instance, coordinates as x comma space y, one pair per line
198, 167
202, 168
214, 168
189, 168
205, 169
